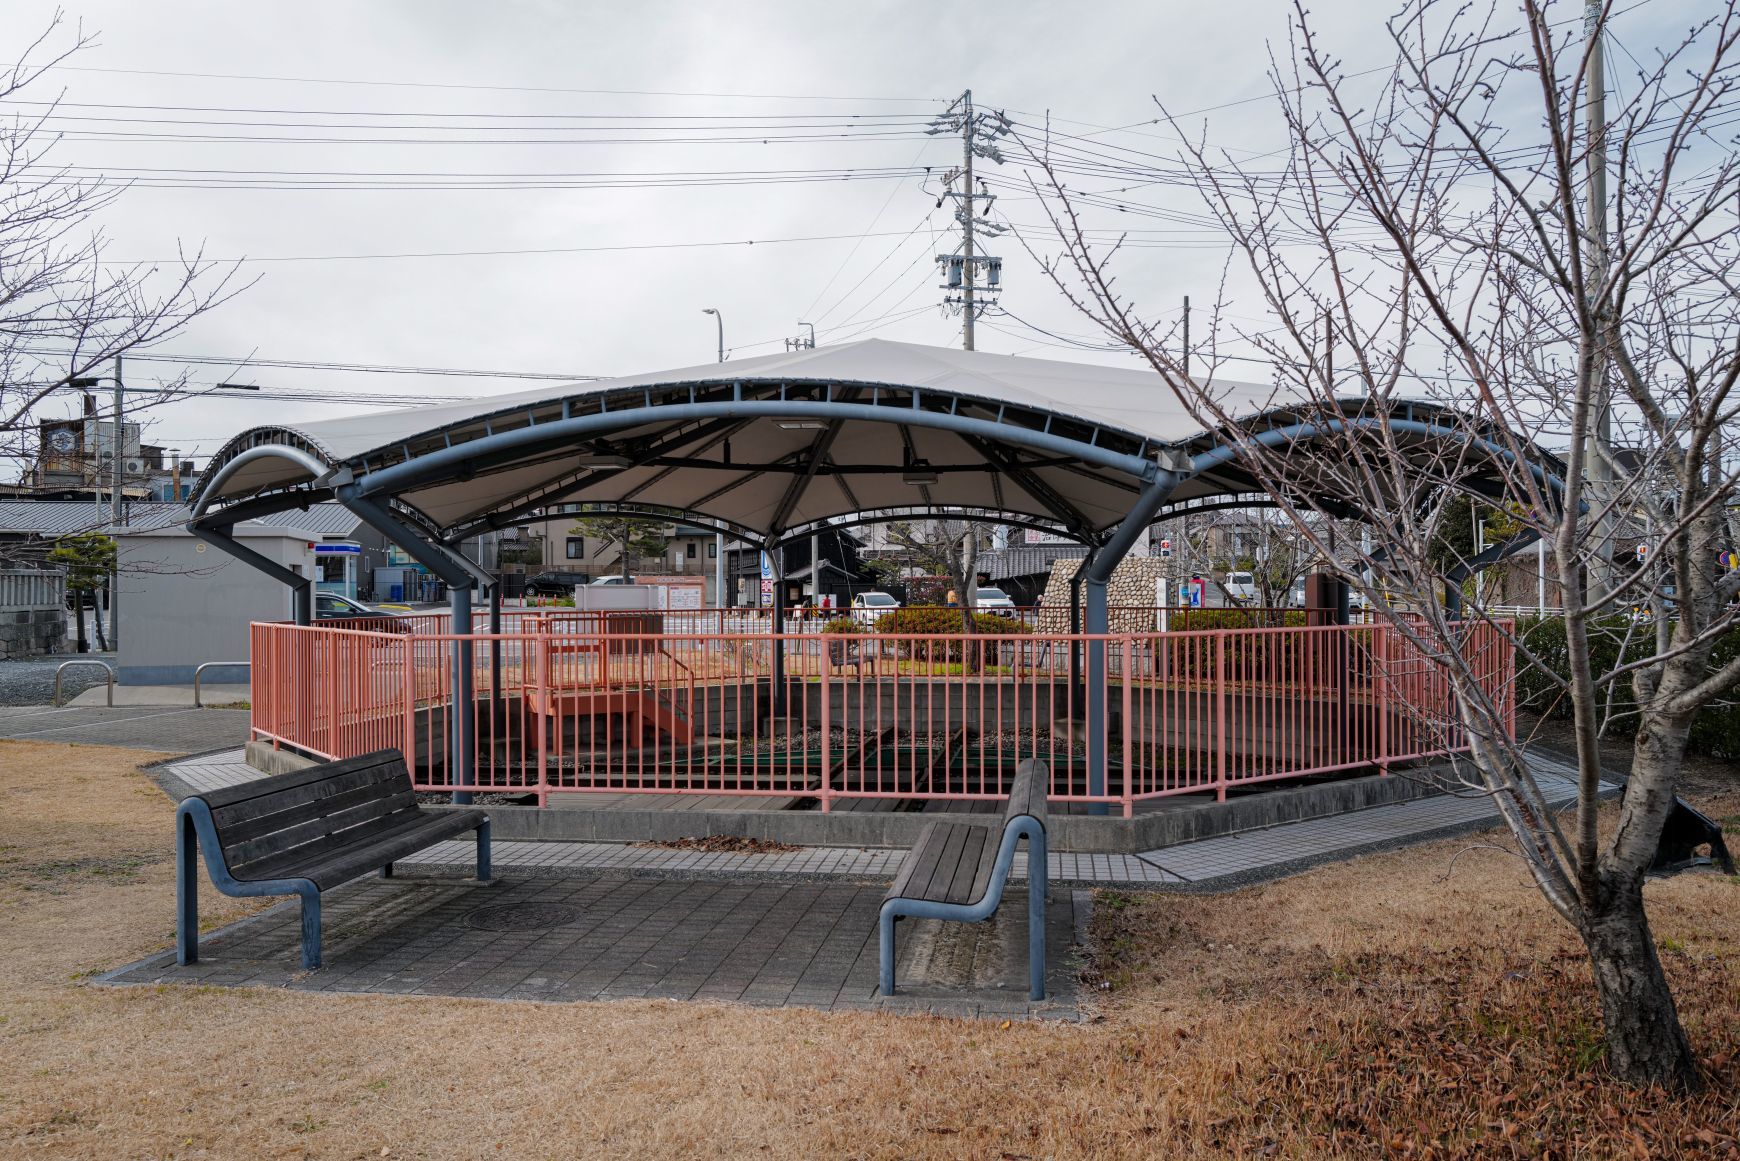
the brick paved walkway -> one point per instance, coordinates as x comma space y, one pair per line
611, 936
1207, 864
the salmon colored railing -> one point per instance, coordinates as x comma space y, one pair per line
618, 704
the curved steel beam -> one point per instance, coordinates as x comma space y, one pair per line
1207, 461
506, 445
297, 456
943, 512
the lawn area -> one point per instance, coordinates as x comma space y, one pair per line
1419, 1003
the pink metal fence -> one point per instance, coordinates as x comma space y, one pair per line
624, 704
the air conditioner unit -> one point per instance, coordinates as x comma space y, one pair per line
133, 467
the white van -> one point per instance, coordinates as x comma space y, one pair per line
1241, 588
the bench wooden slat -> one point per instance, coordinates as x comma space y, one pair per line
355, 860
352, 824
954, 837
387, 761
977, 856
386, 798
987, 862
922, 858
298, 861
382, 779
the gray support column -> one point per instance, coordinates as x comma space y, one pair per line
495, 653
301, 587
776, 555
459, 575
1076, 693
462, 721
1095, 578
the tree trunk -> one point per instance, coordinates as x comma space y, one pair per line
1645, 1042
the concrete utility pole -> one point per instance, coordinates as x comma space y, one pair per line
117, 454
718, 537
967, 271
1187, 336
1598, 443
979, 132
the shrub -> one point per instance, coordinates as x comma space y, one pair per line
943, 620
842, 625
1715, 729
1192, 620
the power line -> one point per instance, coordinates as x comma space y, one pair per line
490, 88
511, 253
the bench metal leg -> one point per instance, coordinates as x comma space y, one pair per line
387, 871
887, 973
1038, 879
310, 927
186, 893
484, 870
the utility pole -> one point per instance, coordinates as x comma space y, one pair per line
1598, 443
719, 593
979, 132
1187, 336
117, 454
803, 342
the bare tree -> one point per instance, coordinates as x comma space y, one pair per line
1441, 226
66, 311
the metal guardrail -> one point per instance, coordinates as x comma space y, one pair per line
199, 674
62, 667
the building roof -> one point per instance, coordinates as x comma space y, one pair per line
1024, 560
53, 518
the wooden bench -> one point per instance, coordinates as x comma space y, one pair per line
305, 832
957, 870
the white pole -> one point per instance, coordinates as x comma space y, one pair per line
1541, 576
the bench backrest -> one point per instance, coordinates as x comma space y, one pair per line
1027, 794
311, 812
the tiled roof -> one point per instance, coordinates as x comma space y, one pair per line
1003, 563
65, 517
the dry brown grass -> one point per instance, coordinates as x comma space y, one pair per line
1361, 1010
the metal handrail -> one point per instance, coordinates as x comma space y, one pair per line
61, 668
199, 674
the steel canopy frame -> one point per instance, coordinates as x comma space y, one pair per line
1159, 469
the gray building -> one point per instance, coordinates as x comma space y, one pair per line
184, 603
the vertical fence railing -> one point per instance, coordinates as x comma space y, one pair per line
584, 705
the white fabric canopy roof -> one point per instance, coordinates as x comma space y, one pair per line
773, 479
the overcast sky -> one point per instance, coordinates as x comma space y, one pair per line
588, 80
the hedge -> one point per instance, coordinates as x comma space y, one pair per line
934, 620
1715, 728
1195, 620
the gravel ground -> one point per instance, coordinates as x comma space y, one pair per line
31, 681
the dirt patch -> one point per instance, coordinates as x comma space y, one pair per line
1418, 1003
732, 844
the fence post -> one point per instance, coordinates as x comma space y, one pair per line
826, 667
1220, 715
1129, 647
410, 695
1381, 698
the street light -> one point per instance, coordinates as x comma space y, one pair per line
812, 327
718, 537
720, 319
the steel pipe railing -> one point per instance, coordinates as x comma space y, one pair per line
62, 668
199, 675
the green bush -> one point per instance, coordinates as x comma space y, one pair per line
934, 620
1193, 620
843, 625
1715, 729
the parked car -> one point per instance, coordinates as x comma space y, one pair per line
1241, 588
867, 607
615, 579
334, 607
992, 600
555, 583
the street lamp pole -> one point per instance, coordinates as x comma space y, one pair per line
719, 594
